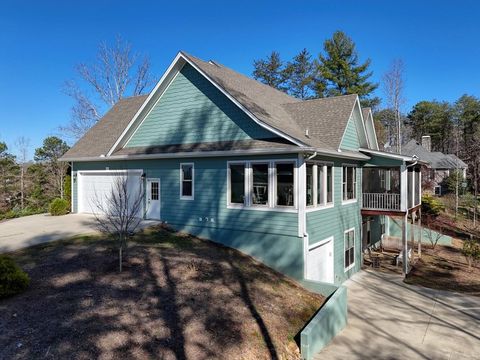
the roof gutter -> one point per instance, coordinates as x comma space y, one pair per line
196, 154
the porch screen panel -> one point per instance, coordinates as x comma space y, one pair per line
309, 185
284, 179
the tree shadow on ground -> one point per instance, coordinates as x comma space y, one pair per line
178, 298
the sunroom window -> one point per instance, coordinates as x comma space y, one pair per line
237, 183
329, 169
260, 184
284, 180
310, 194
319, 184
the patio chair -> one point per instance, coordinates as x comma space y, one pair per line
399, 258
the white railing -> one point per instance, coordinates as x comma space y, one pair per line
381, 201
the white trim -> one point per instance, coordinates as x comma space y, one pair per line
125, 171
184, 197
332, 153
388, 155
301, 195
320, 243
319, 208
354, 249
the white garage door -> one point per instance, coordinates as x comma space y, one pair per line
320, 261
95, 188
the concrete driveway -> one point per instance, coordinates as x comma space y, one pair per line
36, 229
391, 320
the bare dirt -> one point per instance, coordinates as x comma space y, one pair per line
178, 297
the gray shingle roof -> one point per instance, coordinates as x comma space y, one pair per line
437, 160
101, 137
325, 118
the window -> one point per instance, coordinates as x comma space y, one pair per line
319, 184
237, 183
329, 184
349, 183
349, 239
154, 190
186, 181
260, 184
309, 187
284, 180
263, 185
382, 225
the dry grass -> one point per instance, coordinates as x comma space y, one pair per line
179, 297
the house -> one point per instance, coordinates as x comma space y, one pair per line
300, 185
441, 165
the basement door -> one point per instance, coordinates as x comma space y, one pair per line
153, 199
320, 261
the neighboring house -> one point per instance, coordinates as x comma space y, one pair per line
300, 185
441, 165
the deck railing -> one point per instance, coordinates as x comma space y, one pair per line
381, 201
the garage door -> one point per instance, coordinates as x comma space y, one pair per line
320, 261
95, 188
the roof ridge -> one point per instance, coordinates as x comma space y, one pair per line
329, 97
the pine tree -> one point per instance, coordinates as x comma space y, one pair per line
300, 75
340, 72
270, 71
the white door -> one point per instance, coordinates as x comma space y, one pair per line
95, 188
320, 261
153, 199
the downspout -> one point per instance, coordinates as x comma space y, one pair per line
312, 156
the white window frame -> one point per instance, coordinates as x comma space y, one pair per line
349, 267
272, 185
325, 204
355, 183
192, 197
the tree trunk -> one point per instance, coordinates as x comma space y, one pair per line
120, 259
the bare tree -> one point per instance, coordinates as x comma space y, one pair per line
116, 73
393, 86
434, 229
118, 213
22, 144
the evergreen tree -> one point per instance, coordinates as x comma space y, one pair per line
433, 118
340, 73
300, 75
270, 71
8, 173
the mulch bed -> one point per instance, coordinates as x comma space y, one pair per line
178, 297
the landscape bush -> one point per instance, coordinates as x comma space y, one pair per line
431, 206
471, 251
58, 207
13, 280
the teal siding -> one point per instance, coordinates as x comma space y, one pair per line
350, 139
192, 110
324, 223
396, 231
270, 236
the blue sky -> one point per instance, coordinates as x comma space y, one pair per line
42, 41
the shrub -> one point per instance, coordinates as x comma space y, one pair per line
431, 206
471, 250
13, 280
58, 207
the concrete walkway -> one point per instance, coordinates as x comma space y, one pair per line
36, 229
392, 320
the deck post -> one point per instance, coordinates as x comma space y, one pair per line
421, 232
405, 244
403, 188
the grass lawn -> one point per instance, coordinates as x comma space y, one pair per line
178, 297
445, 268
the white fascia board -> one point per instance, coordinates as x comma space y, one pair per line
200, 154
388, 155
162, 84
